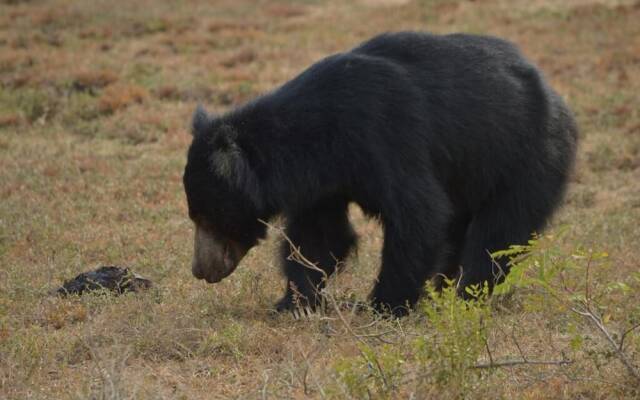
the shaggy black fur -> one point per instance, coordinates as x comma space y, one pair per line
455, 142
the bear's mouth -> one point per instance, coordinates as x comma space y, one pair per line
229, 262
215, 258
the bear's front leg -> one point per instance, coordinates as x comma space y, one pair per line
414, 250
324, 236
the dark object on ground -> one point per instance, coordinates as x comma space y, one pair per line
116, 279
456, 142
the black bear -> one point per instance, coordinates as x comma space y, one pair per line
455, 142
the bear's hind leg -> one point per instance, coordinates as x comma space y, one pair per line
324, 236
510, 219
457, 233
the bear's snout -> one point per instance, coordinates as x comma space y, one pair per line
202, 272
214, 259
208, 274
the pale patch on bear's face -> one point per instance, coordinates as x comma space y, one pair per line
214, 258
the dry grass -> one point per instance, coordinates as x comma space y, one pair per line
94, 79
118, 97
95, 101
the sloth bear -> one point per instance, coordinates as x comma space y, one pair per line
455, 142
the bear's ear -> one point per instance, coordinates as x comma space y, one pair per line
200, 122
230, 161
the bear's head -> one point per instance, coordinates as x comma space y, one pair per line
223, 196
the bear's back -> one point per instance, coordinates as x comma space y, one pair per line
453, 104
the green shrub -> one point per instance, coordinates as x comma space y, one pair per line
445, 352
455, 338
449, 355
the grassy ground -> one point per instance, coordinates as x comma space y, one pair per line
95, 100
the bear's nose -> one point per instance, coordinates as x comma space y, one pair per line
211, 275
196, 270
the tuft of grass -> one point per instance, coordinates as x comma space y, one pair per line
245, 56
117, 97
34, 105
285, 10
10, 120
91, 80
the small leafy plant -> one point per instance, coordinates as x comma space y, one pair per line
449, 353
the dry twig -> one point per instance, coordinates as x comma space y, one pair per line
587, 311
297, 256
